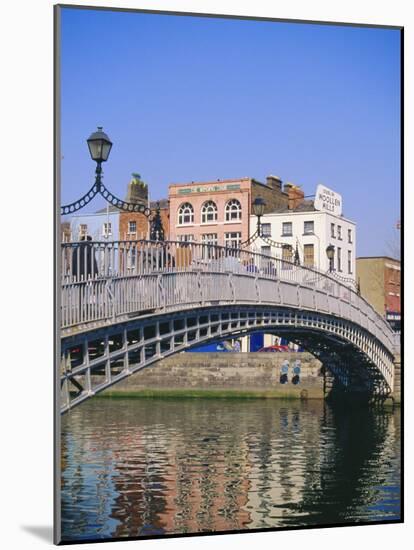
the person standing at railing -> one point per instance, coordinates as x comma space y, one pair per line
84, 265
251, 266
84, 268
270, 270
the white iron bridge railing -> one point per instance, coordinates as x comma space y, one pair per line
107, 281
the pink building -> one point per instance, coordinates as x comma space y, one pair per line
218, 212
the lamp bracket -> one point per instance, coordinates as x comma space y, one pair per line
100, 188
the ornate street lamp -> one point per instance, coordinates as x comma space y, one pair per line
258, 210
100, 146
157, 230
330, 252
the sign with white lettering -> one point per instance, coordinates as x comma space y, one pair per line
328, 201
209, 189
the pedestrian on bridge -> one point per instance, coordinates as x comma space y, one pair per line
84, 264
84, 268
251, 266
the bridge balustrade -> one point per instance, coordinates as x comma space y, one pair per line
126, 304
103, 281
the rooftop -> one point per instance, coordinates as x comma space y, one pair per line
305, 206
379, 258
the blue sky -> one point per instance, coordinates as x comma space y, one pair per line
193, 99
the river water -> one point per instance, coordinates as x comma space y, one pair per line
139, 467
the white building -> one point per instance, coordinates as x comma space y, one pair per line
100, 226
312, 226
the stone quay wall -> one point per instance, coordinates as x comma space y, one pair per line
288, 375
396, 394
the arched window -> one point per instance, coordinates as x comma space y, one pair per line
185, 214
209, 212
233, 211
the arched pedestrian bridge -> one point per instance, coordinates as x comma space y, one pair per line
127, 304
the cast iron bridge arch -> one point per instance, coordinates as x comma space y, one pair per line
127, 304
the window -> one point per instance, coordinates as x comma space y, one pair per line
287, 256
185, 238
286, 229
308, 255
333, 230
266, 229
83, 230
265, 250
209, 212
107, 229
209, 238
339, 232
339, 258
350, 236
232, 240
233, 211
308, 228
131, 258
185, 214
349, 262
132, 226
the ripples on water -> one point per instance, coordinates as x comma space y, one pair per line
137, 467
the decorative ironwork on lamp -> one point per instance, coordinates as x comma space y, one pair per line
100, 146
258, 207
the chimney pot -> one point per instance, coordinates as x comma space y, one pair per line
274, 182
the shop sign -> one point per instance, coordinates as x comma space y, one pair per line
328, 201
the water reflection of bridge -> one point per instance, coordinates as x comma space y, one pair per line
184, 467
128, 304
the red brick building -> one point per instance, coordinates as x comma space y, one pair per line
135, 226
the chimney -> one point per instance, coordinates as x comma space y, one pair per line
137, 190
295, 195
274, 182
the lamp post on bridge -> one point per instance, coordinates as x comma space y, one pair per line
258, 210
259, 205
100, 146
330, 252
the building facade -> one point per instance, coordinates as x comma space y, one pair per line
312, 231
219, 212
136, 226
380, 284
100, 226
